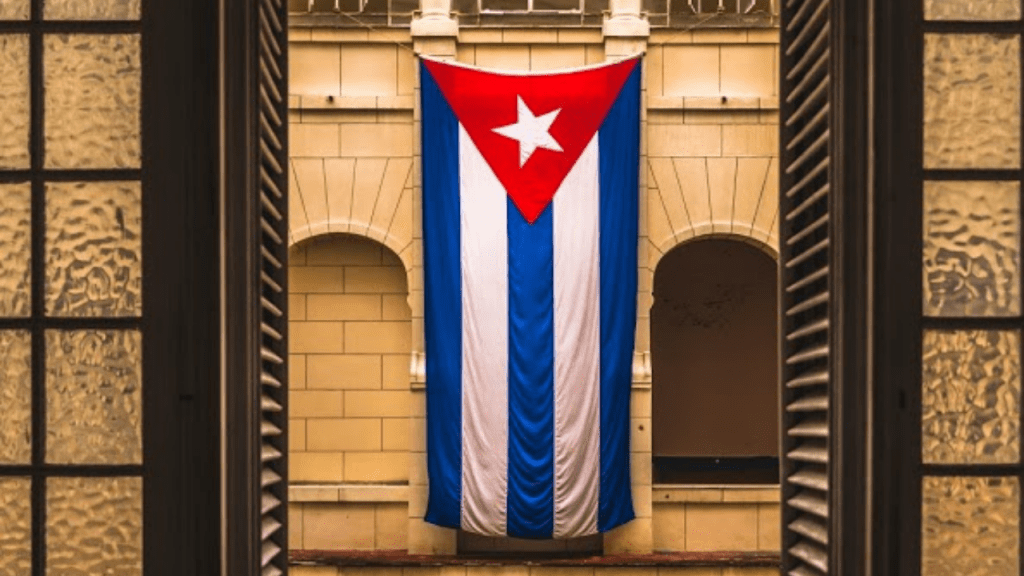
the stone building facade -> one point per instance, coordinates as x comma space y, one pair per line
709, 158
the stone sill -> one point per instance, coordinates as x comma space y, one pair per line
723, 102
330, 102
397, 558
348, 493
694, 493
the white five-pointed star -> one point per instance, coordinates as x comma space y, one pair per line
530, 131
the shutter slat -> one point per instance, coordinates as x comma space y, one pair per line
270, 307
810, 479
804, 182
269, 551
800, 16
267, 428
818, 122
813, 23
819, 326
270, 282
807, 58
268, 404
813, 428
802, 257
267, 106
269, 525
816, 454
811, 528
813, 555
268, 157
811, 302
810, 229
268, 477
269, 184
268, 453
818, 195
810, 106
808, 280
809, 502
813, 73
269, 380
269, 231
269, 331
809, 154
270, 257
268, 132
809, 404
811, 379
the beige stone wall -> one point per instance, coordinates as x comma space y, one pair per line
524, 570
709, 166
699, 519
349, 333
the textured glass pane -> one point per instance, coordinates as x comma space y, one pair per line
971, 255
971, 101
14, 100
15, 398
92, 100
14, 10
15, 527
972, 9
15, 256
94, 249
94, 526
94, 397
91, 9
970, 526
970, 400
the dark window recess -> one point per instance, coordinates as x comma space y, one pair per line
499, 547
714, 358
724, 470
556, 4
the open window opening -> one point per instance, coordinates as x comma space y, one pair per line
714, 348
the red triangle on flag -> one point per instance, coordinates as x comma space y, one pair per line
545, 119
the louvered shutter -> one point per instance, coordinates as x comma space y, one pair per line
273, 231
806, 232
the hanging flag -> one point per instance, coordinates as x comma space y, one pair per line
530, 185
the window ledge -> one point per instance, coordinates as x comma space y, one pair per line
683, 493
397, 558
723, 102
327, 102
348, 493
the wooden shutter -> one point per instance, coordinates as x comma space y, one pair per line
273, 234
806, 275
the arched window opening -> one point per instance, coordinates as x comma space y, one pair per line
714, 348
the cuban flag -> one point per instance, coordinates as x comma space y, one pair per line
530, 186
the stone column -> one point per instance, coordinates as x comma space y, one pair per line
626, 32
434, 33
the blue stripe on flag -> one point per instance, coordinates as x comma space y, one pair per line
443, 304
531, 375
619, 147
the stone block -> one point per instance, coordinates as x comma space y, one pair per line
338, 526
674, 140
395, 307
418, 469
375, 280
751, 174
369, 70
395, 434
529, 36
640, 404
376, 466
343, 250
312, 570
391, 528
640, 435
692, 70
366, 188
296, 307
343, 434
344, 372
376, 140
633, 537
315, 404
313, 140
689, 571
395, 371
750, 140
339, 178
317, 337
721, 527
748, 70
295, 526
763, 36
344, 307
557, 56
721, 181
296, 371
642, 500
296, 434
402, 226
314, 69
315, 467
309, 184
429, 539
503, 57
769, 527
316, 279
751, 494
669, 528
719, 36
377, 337
377, 404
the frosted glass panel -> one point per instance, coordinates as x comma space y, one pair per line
15, 398
971, 101
14, 10
94, 526
14, 100
971, 254
92, 9
94, 249
15, 245
92, 100
94, 397
970, 526
15, 526
972, 9
970, 401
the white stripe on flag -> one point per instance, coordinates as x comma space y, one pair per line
578, 347
484, 255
